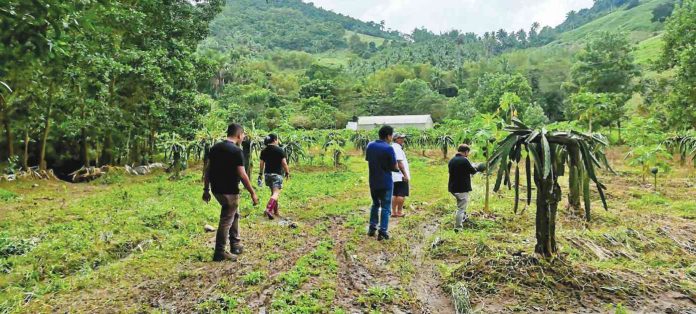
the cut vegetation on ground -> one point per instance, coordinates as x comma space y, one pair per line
138, 244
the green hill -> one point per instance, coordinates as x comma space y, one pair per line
636, 21
288, 24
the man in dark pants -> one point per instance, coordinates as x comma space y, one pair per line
460, 172
224, 170
381, 161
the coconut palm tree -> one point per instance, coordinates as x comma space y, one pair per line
544, 152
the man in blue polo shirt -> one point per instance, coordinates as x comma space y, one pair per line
381, 161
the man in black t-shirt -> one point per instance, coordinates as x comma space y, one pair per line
273, 167
224, 170
460, 172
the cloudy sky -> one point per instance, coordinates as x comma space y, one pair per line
476, 16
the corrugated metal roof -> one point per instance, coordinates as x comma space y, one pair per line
395, 119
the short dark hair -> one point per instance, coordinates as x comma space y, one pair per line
463, 148
234, 129
385, 131
270, 138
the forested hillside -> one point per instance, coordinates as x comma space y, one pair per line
286, 24
583, 137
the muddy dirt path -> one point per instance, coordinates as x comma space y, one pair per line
427, 285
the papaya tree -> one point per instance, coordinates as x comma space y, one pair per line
544, 163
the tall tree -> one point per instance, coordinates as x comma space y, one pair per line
680, 53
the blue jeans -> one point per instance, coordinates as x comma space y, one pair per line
380, 199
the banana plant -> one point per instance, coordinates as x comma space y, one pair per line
544, 163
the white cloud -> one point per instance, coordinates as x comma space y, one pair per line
476, 16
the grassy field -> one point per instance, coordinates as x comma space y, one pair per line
648, 51
365, 38
137, 244
636, 22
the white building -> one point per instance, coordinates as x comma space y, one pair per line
421, 122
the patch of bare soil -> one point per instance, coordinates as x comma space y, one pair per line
427, 284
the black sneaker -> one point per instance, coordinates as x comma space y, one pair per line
224, 256
371, 232
382, 236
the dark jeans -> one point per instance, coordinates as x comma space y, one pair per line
229, 221
381, 199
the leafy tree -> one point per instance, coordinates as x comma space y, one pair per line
414, 96
492, 87
606, 65
590, 107
680, 53
534, 116
324, 89
662, 11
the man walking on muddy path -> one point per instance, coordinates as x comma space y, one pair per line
381, 161
460, 172
224, 170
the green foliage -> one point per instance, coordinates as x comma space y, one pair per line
12, 246
492, 87
7, 196
378, 296
253, 278
680, 53
534, 116
605, 65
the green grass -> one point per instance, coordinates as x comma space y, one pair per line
636, 22
649, 50
335, 58
365, 38
81, 247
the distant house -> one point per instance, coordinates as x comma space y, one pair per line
421, 122
352, 126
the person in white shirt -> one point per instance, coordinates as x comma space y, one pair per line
401, 178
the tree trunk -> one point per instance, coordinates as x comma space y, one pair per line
8, 130
84, 159
107, 150
618, 126
574, 181
25, 158
590, 124
8, 136
548, 195
44, 136
486, 208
